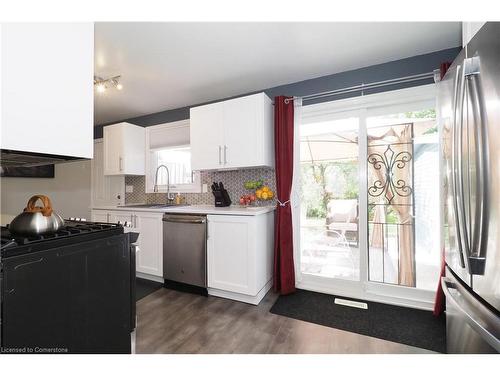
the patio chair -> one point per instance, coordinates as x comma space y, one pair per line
342, 216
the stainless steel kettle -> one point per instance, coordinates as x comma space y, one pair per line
34, 220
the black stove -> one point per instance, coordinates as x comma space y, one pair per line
73, 231
72, 290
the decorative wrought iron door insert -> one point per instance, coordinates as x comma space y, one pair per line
391, 204
390, 186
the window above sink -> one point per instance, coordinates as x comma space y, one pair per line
168, 144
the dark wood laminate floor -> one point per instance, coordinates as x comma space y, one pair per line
174, 322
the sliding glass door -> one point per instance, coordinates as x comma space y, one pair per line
403, 198
329, 204
368, 188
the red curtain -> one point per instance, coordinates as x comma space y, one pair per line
284, 274
443, 68
439, 301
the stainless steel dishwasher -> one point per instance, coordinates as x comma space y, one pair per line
185, 249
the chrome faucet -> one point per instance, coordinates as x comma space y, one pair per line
170, 198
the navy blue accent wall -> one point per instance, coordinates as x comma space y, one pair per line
394, 69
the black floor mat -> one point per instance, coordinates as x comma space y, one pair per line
399, 324
145, 287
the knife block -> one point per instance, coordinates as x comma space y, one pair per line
221, 198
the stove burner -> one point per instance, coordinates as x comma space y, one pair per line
70, 229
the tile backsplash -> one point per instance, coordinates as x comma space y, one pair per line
233, 182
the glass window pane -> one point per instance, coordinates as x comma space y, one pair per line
178, 161
403, 199
329, 198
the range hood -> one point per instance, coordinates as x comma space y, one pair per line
43, 123
10, 158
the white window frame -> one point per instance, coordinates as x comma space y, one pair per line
194, 187
363, 107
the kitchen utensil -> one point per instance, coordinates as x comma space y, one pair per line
35, 220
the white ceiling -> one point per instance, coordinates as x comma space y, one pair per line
171, 65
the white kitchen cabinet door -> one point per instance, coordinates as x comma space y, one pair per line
231, 259
100, 216
47, 88
241, 135
106, 190
236, 133
112, 150
248, 132
126, 218
206, 137
124, 149
149, 225
150, 256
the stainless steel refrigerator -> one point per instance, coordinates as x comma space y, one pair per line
469, 110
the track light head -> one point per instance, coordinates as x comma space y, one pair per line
101, 85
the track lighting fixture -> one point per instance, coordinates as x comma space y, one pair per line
101, 84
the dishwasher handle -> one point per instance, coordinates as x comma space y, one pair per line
185, 219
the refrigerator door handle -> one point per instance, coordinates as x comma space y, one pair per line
462, 215
447, 284
477, 257
454, 168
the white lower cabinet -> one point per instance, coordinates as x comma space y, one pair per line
239, 250
100, 216
240, 256
149, 259
123, 217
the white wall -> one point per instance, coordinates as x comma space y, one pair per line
69, 191
469, 29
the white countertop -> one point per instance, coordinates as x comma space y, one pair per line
196, 209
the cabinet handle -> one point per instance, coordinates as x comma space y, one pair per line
132, 220
220, 162
135, 221
107, 218
121, 163
225, 152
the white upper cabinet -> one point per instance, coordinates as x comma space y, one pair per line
236, 133
47, 88
124, 149
106, 190
206, 136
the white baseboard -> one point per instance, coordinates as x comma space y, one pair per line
149, 277
253, 300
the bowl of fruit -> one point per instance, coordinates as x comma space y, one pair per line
260, 192
264, 193
252, 185
247, 199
